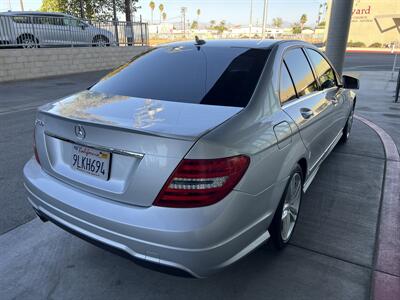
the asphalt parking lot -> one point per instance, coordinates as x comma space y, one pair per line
331, 255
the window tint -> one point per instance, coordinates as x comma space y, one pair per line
326, 75
286, 88
301, 72
71, 22
21, 19
39, 20
204, 75
47, 20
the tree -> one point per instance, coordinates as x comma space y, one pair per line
212, 24
198, 12
128, 13
152, 7
221, 27
161, 8
277, 22
164, 16
94, 9
53, 5
296, 28
303, 21
195, 25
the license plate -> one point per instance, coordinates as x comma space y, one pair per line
91, 161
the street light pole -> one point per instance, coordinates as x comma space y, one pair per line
338, 32
183, 11
251, 18
264, 21
21, 2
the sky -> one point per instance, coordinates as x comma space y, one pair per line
232, 11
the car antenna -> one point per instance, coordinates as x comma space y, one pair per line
199, 42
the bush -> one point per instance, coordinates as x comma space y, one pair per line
356, 44
375, 45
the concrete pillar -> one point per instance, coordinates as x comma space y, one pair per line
338, 32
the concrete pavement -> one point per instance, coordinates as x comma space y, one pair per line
18, 102
370, 61
378, 107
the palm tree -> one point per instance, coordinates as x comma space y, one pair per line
221, 27
277, 22
296, 28
195, 25
164, 16
303, 20
161, 8
152, 7
198, 12
212, 23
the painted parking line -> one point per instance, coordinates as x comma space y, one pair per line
19, 109
370, 66
386, 269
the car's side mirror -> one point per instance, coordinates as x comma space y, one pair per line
350, 82
327, 84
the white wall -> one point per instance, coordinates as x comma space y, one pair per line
17, 64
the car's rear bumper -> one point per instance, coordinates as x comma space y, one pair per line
199, 241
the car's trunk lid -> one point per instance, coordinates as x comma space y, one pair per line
146, 138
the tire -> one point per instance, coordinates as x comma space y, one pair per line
347, 128
28, 41
287, 213
100, 41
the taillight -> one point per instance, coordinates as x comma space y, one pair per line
34, 146
201, 182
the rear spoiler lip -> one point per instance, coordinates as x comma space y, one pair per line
127, 129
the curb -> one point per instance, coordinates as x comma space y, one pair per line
369, 51
386, 267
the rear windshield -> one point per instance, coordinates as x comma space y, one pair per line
202, 75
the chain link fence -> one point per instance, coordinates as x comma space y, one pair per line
59, 30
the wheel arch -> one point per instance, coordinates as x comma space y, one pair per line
303, 165
31, 35
100, 35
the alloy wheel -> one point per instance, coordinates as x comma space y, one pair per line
28, 43
291, 207
101, 43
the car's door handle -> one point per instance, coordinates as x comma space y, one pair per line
306, 113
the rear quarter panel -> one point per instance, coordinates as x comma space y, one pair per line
251, 132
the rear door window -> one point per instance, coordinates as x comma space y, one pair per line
301, 72
224, 76
70, 22
325, 73
21, 19
286, 87
47, 20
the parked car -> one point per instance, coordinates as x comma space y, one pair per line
192, 154
38, 29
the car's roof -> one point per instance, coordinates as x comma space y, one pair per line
245, 43
33, 13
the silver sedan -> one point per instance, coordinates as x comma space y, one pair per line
193, 154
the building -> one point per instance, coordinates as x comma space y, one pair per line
373, 22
